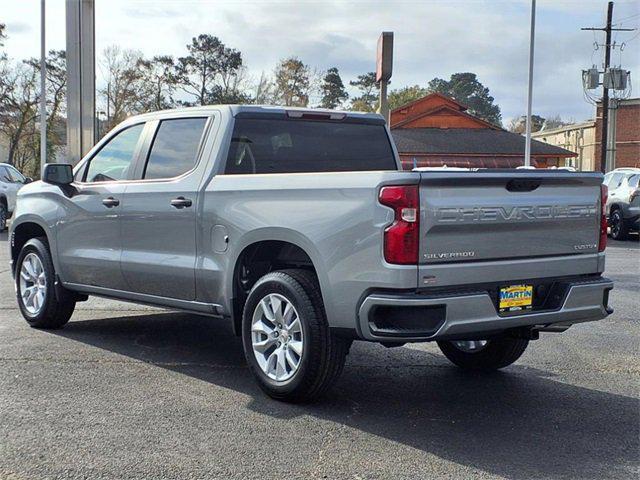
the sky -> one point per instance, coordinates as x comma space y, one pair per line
433, 38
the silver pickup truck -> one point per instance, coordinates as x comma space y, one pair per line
300, 228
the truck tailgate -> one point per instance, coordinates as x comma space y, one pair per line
507, 215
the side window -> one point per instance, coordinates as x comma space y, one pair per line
15, 175
175, 148
615, 181
634, 180
4, 175
112, 162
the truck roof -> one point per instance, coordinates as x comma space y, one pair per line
266, 109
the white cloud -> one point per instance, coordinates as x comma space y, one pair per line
432, 38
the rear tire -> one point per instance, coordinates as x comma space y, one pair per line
311, 357
619, 230
497, 353
39, 304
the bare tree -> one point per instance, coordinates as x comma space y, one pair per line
56, 64
18, 108
158, 83
264, 90
122, 92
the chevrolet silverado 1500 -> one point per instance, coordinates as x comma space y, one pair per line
301, 229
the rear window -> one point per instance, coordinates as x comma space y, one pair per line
297, 146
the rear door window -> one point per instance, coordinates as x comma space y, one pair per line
633, 181
296, 146
175, 147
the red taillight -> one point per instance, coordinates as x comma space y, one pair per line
604, 193
401, 238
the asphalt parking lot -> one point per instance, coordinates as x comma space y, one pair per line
133, 392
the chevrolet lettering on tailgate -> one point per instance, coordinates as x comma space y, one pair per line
487, 214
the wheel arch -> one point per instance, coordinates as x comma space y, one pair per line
24, 231
267, 251
614, 207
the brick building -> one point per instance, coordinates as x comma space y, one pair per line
627, 147
436, 130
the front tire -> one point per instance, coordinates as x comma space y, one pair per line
619, 230
484, 354
287, 341
39, 304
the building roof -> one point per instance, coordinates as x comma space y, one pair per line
435, 110
471, 141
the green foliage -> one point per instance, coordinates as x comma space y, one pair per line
292, 83
519, 124
466, 89
404, 95
367, 86
333, 91
210, 72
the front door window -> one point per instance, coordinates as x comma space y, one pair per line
113, 160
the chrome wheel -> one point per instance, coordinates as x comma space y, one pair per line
276, 337
33, 284
470, 346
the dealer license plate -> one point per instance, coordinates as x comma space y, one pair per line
516, 297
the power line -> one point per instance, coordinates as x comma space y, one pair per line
608, 28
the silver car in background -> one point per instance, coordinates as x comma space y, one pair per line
623, 203
11, 180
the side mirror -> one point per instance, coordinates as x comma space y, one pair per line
60, 174
28, 180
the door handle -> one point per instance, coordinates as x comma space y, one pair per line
181, 202
110, 202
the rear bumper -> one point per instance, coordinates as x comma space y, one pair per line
443, 317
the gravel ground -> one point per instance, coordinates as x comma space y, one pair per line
135, 392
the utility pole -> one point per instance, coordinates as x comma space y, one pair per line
43, 90
532, 33
605, 90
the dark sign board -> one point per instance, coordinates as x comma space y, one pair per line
384, 60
